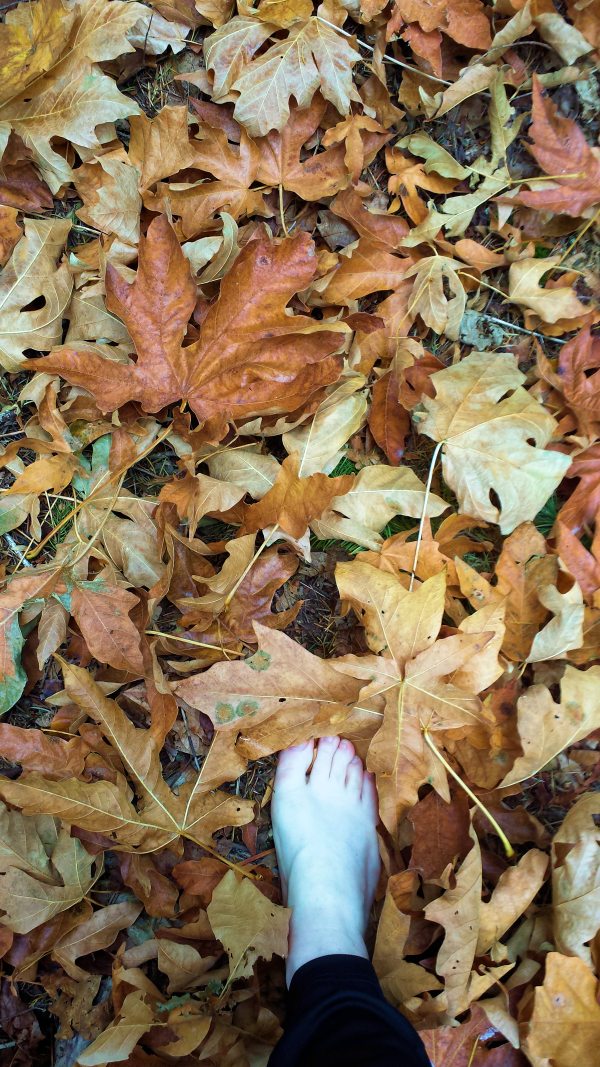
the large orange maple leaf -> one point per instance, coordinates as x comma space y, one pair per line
252, 357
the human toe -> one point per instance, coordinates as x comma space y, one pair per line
293, 764
326, 750
354, 776
339, 764
369, 796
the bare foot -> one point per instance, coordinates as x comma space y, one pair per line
326, 843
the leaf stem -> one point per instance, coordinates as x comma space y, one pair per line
189, 641
505, 842
390, 59
282, 211
246, 569
434, 457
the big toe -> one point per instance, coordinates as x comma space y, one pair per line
293, 764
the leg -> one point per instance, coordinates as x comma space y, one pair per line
324, 828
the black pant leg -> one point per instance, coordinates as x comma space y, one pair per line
339, 1017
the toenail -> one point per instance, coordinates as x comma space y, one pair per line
328, 740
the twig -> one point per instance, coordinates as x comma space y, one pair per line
189, 641
385, 57
521, 329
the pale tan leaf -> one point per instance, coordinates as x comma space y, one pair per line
30, 275
117, 1042
487, 435
247, 924
546, 728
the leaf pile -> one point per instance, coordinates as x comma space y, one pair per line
300, 435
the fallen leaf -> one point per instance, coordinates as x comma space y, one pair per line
247, 924
95, 933
378, 494
210, 372
512, 895
442, 313
487, 439
457, 911
32, 275
293, 502
565, 1023
116, 1042
106, 808
546, 728
576, 879
551, 304
560, 148
28, 901
312, 57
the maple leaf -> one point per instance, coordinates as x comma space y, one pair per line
578, 377
95, 933
49, 871
433, 276
105, 807
320, 441
197, 494
293, 502
524, 566
31, 43
575, 879
229, 371
560, 148
242, 592
365, 269
247, 924
551, 304
71, 96
406, 176
320, 174
22, 588
234, 167
108, 188
487, 439
414, 674
349, 131
564, 1025
546, 728
583, 505
38, 751
31, 275
134, 1019
312, 57
381, 228
160, 147
280, 696
389, 422
463, 20
378, 494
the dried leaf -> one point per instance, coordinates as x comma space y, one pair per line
247, 924
487, 439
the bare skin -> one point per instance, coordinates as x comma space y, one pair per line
326, 844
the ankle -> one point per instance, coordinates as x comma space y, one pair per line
315, 933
